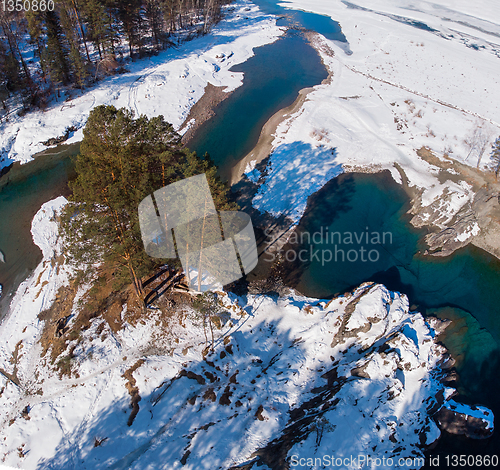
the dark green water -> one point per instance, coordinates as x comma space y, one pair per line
23, 190
273, 78
464, 287
468, 279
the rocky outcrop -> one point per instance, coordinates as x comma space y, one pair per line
475, 422
61, 138
470, 213
468, 223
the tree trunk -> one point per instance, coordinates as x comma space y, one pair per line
110, 24
82, 31
14, 47
205, 329
139, 291
211, 331
201, 246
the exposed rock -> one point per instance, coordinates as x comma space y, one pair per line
476, 222
452, 376
60, 139
361, 372
133, 390
437, 324
475, 422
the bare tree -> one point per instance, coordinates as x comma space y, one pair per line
477, 143
495, 156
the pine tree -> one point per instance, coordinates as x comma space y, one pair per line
122, 161
55, 56
169, 8
100, 23
77, 14
69, 24
128, 12
10, 24
9, 68
35, 26
154, 16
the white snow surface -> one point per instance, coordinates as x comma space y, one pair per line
251, 172
470, 232
168, 84
401, 88
373, 366
21, 329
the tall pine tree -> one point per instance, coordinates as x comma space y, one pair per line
69, 24
123, 160
56, 56
129, 13
9, 68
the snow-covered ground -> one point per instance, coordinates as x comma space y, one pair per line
38, 292
290, 378
420, 74
168, 84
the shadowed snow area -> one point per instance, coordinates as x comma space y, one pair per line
295, 171
293, 374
